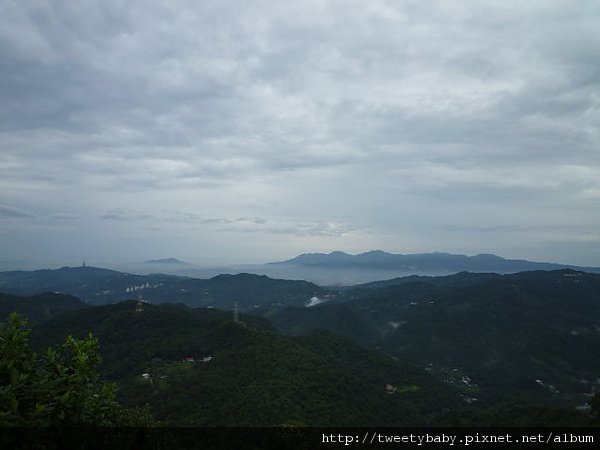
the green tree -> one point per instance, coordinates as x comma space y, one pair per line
59, 388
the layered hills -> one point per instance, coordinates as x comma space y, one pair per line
202, 367
525, 336
489, 340
102, 286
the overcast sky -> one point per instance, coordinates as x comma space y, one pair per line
251, 131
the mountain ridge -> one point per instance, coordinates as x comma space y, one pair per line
440, 261
530, 335
102, 286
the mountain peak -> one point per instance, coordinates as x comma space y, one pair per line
375, 252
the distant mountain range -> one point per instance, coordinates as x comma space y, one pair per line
424, 262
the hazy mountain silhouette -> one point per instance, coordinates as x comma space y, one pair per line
422, 262
166, 261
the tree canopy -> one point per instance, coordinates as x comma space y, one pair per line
58, 388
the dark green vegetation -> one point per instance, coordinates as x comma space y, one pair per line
60, 388
38, 307
256, 375
520, 349
527, 337
102, 286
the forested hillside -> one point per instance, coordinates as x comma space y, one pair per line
532, 336
201, 367
461, 349
102, 286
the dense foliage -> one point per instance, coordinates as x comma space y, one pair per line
528, 337
38, 307
255, 376
466, 349
60, 388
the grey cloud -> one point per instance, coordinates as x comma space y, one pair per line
294, 228
186, 216
64, 216
16, 213
10, 212
171, 219
566, 230
302, 118
124, 216
287, 137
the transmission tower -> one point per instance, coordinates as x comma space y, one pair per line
236, 312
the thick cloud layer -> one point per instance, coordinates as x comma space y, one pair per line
251, 131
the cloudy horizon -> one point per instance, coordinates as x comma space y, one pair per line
247, 132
